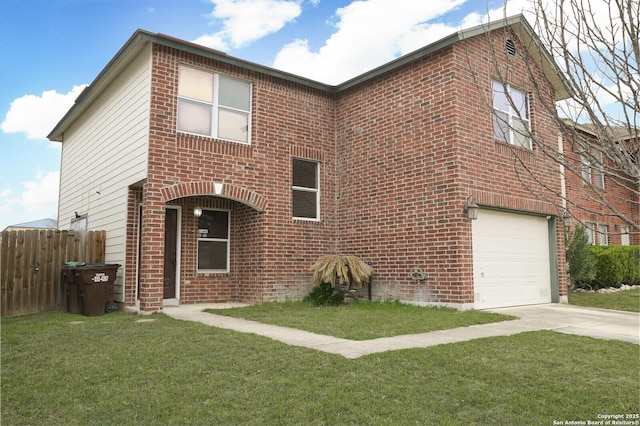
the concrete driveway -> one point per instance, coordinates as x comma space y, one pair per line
570, 319
597, 323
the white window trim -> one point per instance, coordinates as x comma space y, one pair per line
592, 168
511, 114
624, 235
305, 189
227, 240
215, 107
590, 229
603, 237
586, 168
599, 169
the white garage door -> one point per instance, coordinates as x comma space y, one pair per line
511, 263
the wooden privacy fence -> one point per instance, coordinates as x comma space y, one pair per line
31, 265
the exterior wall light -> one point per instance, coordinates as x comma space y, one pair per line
566, 218
471, 209
197, 211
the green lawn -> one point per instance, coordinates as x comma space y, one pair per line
626, 300
62, 369
362, 320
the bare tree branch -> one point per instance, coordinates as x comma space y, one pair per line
596, 45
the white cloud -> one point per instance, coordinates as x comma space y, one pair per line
38, 199
42, 194
368, 33
36, 115
244, 21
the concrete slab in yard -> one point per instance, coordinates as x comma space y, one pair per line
597, 323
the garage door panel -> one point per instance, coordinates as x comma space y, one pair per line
511, 259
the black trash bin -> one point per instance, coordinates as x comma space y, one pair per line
72, 290
94, 286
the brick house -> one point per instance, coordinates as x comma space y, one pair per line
592, 182
219, 180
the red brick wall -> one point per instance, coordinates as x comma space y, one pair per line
399, 156
413, 146
600, 206
495, 173
269, 250
399, 182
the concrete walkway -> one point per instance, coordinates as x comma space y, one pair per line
597, 323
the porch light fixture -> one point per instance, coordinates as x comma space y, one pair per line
471, 209
566, 218
197, 211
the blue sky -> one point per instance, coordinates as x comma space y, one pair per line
52, 48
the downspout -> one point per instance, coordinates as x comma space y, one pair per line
336, 186
563, 182
555, 297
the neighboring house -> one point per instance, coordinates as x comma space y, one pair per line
36, 224
220, 180
599, 194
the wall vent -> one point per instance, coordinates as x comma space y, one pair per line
511, 48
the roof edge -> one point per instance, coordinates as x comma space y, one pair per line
56, 135
142, 37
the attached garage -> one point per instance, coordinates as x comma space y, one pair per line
511, 259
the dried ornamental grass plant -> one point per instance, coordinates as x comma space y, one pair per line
340, 270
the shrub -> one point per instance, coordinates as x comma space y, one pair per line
600, 266
324, 295
632, 276
610, 268
580, 258
616, 265
339, 270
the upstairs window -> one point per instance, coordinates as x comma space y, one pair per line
511, 121
592, 166
213, 241
306, 189
599, 169
586, 168
213, 105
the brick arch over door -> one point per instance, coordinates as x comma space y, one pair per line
223, 190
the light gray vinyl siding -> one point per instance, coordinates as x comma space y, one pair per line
104, 152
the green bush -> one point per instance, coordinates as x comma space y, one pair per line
580, 258
616, 265
610, 268
324, 295
632, 265
600, 266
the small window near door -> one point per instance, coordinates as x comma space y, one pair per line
213, 241
306, 189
